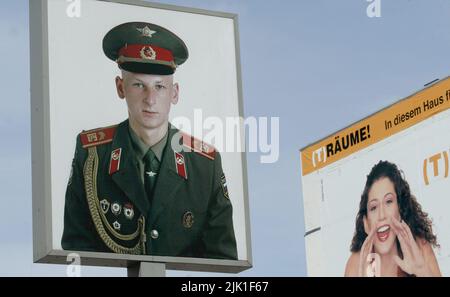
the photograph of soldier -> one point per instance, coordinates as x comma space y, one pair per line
131, 189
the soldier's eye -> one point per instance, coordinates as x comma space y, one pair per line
160, 87
138, 85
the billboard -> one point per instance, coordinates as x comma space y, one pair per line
98, 208
411, 139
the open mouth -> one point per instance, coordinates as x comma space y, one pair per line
383, 232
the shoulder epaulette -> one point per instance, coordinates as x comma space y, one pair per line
97, 136
198, 146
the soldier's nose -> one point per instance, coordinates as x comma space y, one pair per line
149, 98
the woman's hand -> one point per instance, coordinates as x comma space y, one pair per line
413, 261
366, 250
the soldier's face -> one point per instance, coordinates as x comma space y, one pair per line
148, 97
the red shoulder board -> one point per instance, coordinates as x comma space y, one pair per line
97, 136
198, 146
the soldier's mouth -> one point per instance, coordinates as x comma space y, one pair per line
151, 113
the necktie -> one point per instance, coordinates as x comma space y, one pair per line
151, 168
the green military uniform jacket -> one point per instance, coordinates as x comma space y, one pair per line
107, 209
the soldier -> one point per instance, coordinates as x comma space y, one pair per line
131, 189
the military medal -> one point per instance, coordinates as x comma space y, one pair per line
116, 208
114, 163
188, 219
116, 225
104, 204
128, 211
181, 165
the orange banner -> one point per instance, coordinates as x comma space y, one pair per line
393, 119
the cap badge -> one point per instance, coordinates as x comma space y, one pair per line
148, 53
146, 31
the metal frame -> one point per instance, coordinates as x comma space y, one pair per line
43, 251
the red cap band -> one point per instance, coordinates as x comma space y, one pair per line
146, 52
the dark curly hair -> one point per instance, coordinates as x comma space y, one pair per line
410, 210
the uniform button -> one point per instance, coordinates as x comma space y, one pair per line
154, 234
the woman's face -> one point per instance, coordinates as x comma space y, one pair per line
382, 206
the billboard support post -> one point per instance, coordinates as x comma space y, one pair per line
147, 269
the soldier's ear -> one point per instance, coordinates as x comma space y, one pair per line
120, 87
175, 93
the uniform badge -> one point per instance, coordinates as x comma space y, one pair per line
151, 173
223, 182
193, 144
116, 208
181, 165
205, 148
97, 136
146, 31
128, 211
116, 225
188, 220
91, 137
104, 204
148, 53
114, 162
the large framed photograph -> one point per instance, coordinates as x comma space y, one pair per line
128, 161
375, 193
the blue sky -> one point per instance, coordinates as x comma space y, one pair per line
319, 65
